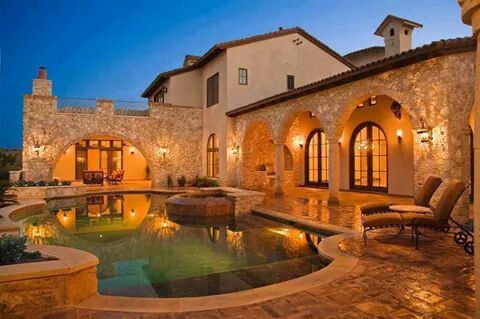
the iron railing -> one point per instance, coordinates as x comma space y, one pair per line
76, 105
130, 108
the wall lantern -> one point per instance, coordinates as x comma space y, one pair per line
340, 140
298, 141
236, 151
400, 135
163, 151
37, 148
132, 150
132, 212
424, 131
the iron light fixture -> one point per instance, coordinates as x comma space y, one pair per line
424, 131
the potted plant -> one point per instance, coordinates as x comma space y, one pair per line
169, 181
182, 181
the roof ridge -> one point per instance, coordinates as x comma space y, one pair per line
373, 47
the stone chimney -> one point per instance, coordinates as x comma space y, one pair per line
397, 33
41, 85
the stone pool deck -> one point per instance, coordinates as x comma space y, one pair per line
391, 279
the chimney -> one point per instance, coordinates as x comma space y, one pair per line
397, 33
41, 85
42, 73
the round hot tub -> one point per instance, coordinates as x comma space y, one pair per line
200, 204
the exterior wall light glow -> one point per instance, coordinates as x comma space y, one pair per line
400, 135
424, 131
298, 141
37, 148
340, 140
236, 151
163, 151
132, 150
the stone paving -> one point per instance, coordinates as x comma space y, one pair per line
391, 280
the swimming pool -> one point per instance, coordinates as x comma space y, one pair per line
143, 253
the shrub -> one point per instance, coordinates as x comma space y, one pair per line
53, 183
41, 183
4, 175
204, 181
182, 181
12, 250
31, 183
66, 183
21, 183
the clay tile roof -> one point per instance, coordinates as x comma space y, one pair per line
390, 18
190, 57
220, 47
423, 53
373, 48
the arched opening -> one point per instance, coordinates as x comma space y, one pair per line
213, 157
299, 135
361, 167
258, 157
369, 158
106, 153
316, 158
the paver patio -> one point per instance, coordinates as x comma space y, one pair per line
391, 280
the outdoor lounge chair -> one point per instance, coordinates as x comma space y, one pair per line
116, 177
421, 200
438, 220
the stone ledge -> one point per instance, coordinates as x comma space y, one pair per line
341, 265
68, 260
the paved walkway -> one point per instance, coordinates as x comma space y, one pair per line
391, 280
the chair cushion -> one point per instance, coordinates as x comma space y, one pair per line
410, 208
375, 208
383, 219
421, 220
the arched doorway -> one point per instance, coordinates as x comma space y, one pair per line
316, 159
102, 152
213, 157
369, 158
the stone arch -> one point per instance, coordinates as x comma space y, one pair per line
252, 122
280, 134
62, 148
359, 94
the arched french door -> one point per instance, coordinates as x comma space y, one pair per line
316, 159
472, 165
213, 157
369, 158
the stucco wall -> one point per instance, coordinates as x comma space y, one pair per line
185, 89
176, 127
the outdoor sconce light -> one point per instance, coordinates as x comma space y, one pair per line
64, 216
132, 212
132, 150
298, 141
340, 140
400, 136
424, 131
37, 148
163, 151
236, 151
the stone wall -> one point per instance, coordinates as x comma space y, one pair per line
438, 89
178, 128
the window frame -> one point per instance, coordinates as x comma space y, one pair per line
213, 90
213, 149
290, 82
241, 77
320, 142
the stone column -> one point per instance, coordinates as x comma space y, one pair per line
333, 171
279, 168
471, 16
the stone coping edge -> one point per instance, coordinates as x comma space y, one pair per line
341, 264
68, 260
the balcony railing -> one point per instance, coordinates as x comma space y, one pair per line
89, 106
76, 105
130, 108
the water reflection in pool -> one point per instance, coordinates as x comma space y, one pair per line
143, 253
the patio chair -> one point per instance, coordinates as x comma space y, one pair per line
421, 200
116, 177
437, 221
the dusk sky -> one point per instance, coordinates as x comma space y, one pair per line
114, 49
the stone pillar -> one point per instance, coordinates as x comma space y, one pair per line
471, 16
279, 168
333, 171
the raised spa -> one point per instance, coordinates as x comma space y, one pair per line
143, 253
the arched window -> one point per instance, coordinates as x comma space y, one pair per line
213, 158
316, 158
369, 158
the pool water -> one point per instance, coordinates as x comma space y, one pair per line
143, 253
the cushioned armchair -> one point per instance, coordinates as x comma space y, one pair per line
421, 200
438, 220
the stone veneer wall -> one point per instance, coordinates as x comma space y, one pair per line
178, 128
439, 89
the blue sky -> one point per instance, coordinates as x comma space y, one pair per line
114, 48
